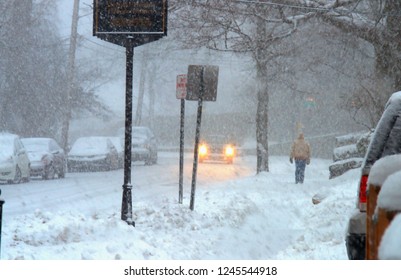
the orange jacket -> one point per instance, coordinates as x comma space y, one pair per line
300, 149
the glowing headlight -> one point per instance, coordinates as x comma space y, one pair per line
202, 150
229, 151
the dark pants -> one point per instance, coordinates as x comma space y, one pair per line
300, 165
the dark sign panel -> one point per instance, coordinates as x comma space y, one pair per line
202, 82
117, 20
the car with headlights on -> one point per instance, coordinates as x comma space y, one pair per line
93, 153
46, 156
216, 148
14, 161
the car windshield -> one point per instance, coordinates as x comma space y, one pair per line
90, 144
6, 147
35, 145
216, 139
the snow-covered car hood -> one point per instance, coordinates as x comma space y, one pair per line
91, 146
139, 140
5, 155
88, 152
6, 148
37, 156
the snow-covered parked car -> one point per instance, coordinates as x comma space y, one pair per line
14, 161
92, 153
118, 144
143, 144
385, 141
46, 156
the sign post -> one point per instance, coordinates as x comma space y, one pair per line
201, 85
129, 23
181, 93
126, 205
1, 218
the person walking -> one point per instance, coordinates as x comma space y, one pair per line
300, 152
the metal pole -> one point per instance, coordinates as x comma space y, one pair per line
1, 219
126, 208
197, 136
70, 75
180, 191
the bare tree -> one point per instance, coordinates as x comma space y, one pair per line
377, 23
33, 72
254, 28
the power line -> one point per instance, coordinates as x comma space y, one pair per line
101, 45
311, 8
285, 5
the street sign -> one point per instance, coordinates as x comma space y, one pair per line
140, 21
202, 82
181, 91
129, 23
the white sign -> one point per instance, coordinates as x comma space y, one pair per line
181, 86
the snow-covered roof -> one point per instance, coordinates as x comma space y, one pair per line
390, 194
395, 97
384, 167
385, 140
390, 245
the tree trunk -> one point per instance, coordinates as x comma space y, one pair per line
262, 116
262, 122
138, 115
70, 77
392, 49
152, 99
384, 39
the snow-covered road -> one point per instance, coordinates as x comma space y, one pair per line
237, 215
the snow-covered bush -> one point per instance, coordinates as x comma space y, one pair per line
349, 153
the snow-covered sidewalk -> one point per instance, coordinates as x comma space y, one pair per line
241, 216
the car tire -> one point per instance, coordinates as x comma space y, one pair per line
61, 174
50, 173
149, 161
355, 244
116, 164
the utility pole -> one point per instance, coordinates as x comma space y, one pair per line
141, 93
70, 76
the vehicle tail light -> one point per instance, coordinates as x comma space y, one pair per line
202, 150
362, 197
229, 151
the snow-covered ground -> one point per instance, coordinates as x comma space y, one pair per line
238, 215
